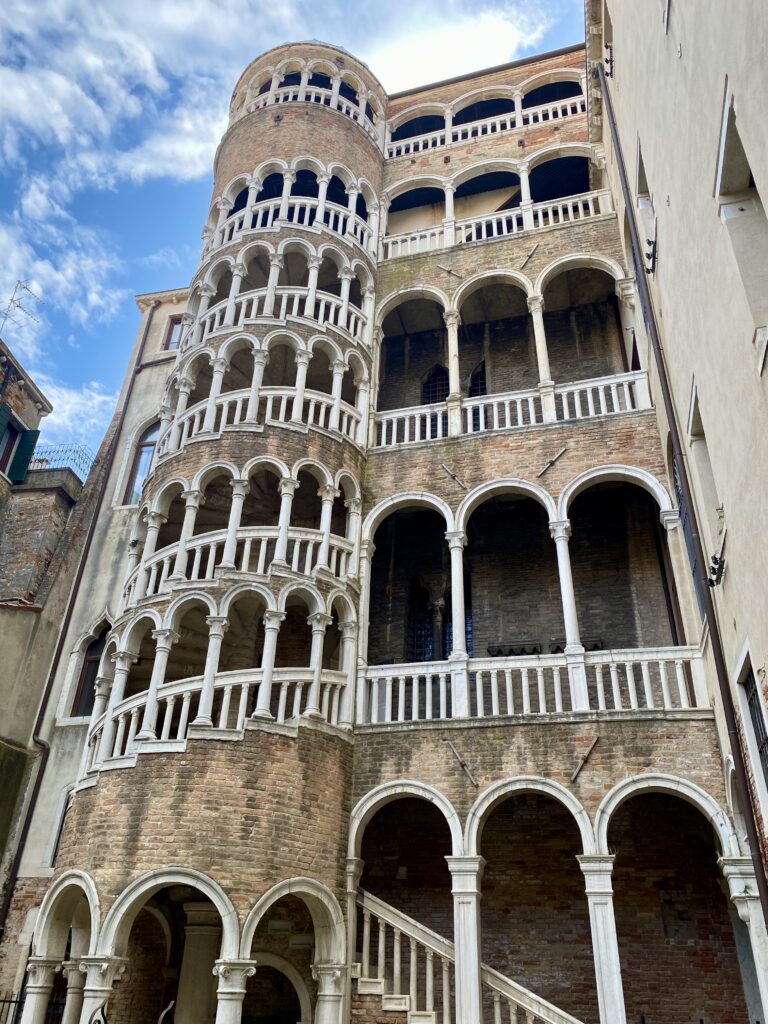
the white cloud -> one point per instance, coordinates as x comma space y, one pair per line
80, 415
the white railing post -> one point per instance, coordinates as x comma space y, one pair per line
610, 993
164, 640
260, 361
239, 492
272, 620
219, 367
191, 505
466, 873
217, 626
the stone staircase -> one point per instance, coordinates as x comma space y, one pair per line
423, 992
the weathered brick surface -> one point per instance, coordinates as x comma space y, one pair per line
367, 1010
28, 893
139, 997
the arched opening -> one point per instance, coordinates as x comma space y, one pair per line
556, 179
496, 343
583, 329
620, 572
280, 371
415, 210
415, 342
215, 504
534, 912
200, 372
410, 583
671, 910
85, 693
270, 996
271, 187
256, 270
261, 510
295, 271
319, 372
240, 202
305, 184
551, 93
187, 656
243, 642
337, 192
294, 641
491, 192
239, 372
141, 644
482, 109
222, 283
172, 506
424, 124
514, 604
307, 505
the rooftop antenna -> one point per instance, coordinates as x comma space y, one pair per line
15, 306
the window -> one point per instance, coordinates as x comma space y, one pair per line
8, 445
434, 388
85, 693
711, 509
16, 446
757, 718
173, 335
142, 462
743, 215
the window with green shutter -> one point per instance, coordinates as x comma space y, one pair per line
17, 470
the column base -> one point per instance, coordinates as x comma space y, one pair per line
146, 734
264, 715
205, 723
313, 713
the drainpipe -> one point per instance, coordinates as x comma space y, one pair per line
745, 795
37, 739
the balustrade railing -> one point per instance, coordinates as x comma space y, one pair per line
654, 679
601, 396
301, 211
498, 224
255, 553
325, 97
425, 984
234, 701
275, 405
328, 310
488, 126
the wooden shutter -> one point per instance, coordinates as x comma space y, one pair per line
20, 461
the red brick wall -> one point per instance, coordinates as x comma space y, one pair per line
139, 996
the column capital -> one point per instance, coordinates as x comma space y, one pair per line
239, 487
597, 870
41, 969
224, 204
328, 977
239, 269
739, 873
273, 618
289, 175
186, 384
219, 364
253, 181
339, 367
328, 492
448, 186
369, 291
233, 974
346, 273
123, 660
354, 873
192, 498
276, 260
466, 872
303, 357
353, 504
315, 262
626, 290
208, 291
319, 621
362, 383
323, 179
71, 968
517, 94
155, 520
102, 971
456, 539
669, 517
164, 638
261, 355
187, 319
451, 318
560, 529
535, 303
347, 627
217, 625
287, 485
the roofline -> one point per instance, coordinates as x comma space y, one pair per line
30, 384
311, 42
489, 71
165, 291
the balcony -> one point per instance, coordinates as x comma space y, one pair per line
325, 97
604, 396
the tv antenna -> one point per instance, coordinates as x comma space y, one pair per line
15, 306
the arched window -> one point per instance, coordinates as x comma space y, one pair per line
85, 694
142, 460
434, 387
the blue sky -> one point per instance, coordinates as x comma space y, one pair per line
110, 112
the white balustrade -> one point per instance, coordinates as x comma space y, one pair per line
412, 968
302, 211
602, 396
407, 426
499, 224
501, 412
488, 126
655, 679
234, 697
315, 94
254, 554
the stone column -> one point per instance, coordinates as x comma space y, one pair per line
122, 661
319, 621
206, 294
302, 363
219, 366
303, 85
272, 620
154, 521
223, 206
363, 405
373, 225
574, 651
238, 273
75, 983
101, 688
338, 368
239, 492
327, 496
217, 627
185, 387
518, 98
313, 263
191, 505
41, 971
233, 976
196, 1000
323, 181
348, 665
254, 187
383, 218
449, 221
289, 177
353, 507
335, 86
526, 203
352, 194
273, 87
739, 873
330, 990
275, 266
546, 384
610, 994
448, 125
164, 640
466, 873
101, 973
452, 321
346, 275
287, 487
456, 541
260, 362
369, 309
